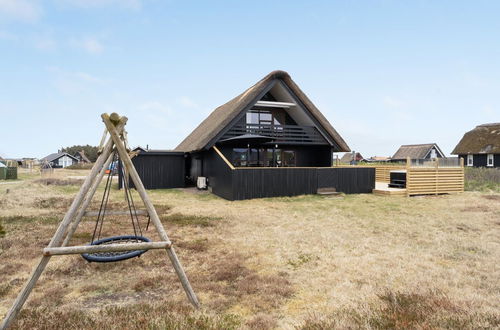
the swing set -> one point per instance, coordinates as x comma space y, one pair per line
106, 249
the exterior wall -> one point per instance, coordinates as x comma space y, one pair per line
158, 170
347, 180
247, 183
65, 161
480, 160
219, 175
62, 162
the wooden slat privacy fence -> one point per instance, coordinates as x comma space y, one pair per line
438, 180
423, 180
382, 172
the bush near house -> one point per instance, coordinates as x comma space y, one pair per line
482, 179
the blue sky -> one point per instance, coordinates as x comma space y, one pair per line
384, 73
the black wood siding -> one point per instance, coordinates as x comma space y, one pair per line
275, 182
159, 170
347, 180
219, 175
480, 160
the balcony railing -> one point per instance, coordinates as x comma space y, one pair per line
280, 133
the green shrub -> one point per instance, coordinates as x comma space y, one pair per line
2, 231
482, 179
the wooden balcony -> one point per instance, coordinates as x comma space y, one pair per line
280, 134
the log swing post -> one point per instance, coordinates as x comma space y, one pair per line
57, 246
131, 171
58, 236
81, 212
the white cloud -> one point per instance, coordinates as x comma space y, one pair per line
128, 4
186, 102
89, 44
20, 10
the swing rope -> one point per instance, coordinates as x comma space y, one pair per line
96, 236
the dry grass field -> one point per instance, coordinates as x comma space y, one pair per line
307, 262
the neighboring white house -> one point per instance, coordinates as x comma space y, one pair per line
60, 160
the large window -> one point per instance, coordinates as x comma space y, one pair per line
288, 158
240, 157
263, 157
275, 117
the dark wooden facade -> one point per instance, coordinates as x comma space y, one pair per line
159, 169
247, 183
480, 160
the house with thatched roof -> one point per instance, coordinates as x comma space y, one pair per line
271, 124
269, 141
425, 151
351, 158
480, 147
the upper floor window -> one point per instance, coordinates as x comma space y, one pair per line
470, 160
490, 161
275, 117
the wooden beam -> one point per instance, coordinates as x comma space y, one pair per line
111, 212
274, 104
132, 172
56, 251
223, 157
86, 202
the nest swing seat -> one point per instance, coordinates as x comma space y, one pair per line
123, 239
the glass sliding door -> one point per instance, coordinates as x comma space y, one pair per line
263, 157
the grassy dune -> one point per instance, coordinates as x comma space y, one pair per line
307, 262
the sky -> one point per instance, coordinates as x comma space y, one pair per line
384, 73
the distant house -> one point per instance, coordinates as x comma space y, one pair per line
376, 159
60, 160
82, 158
350, 158
418, 151
481, 146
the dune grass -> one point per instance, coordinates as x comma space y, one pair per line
306, 262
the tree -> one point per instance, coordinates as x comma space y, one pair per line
90, 151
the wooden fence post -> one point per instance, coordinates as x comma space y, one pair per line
408, 176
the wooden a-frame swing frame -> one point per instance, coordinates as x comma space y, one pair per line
58, 245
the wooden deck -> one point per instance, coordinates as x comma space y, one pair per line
382, 189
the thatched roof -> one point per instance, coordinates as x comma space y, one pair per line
203, 135
484, 139
347, 157
416, 151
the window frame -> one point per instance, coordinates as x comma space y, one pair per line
488, 158
470, 160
